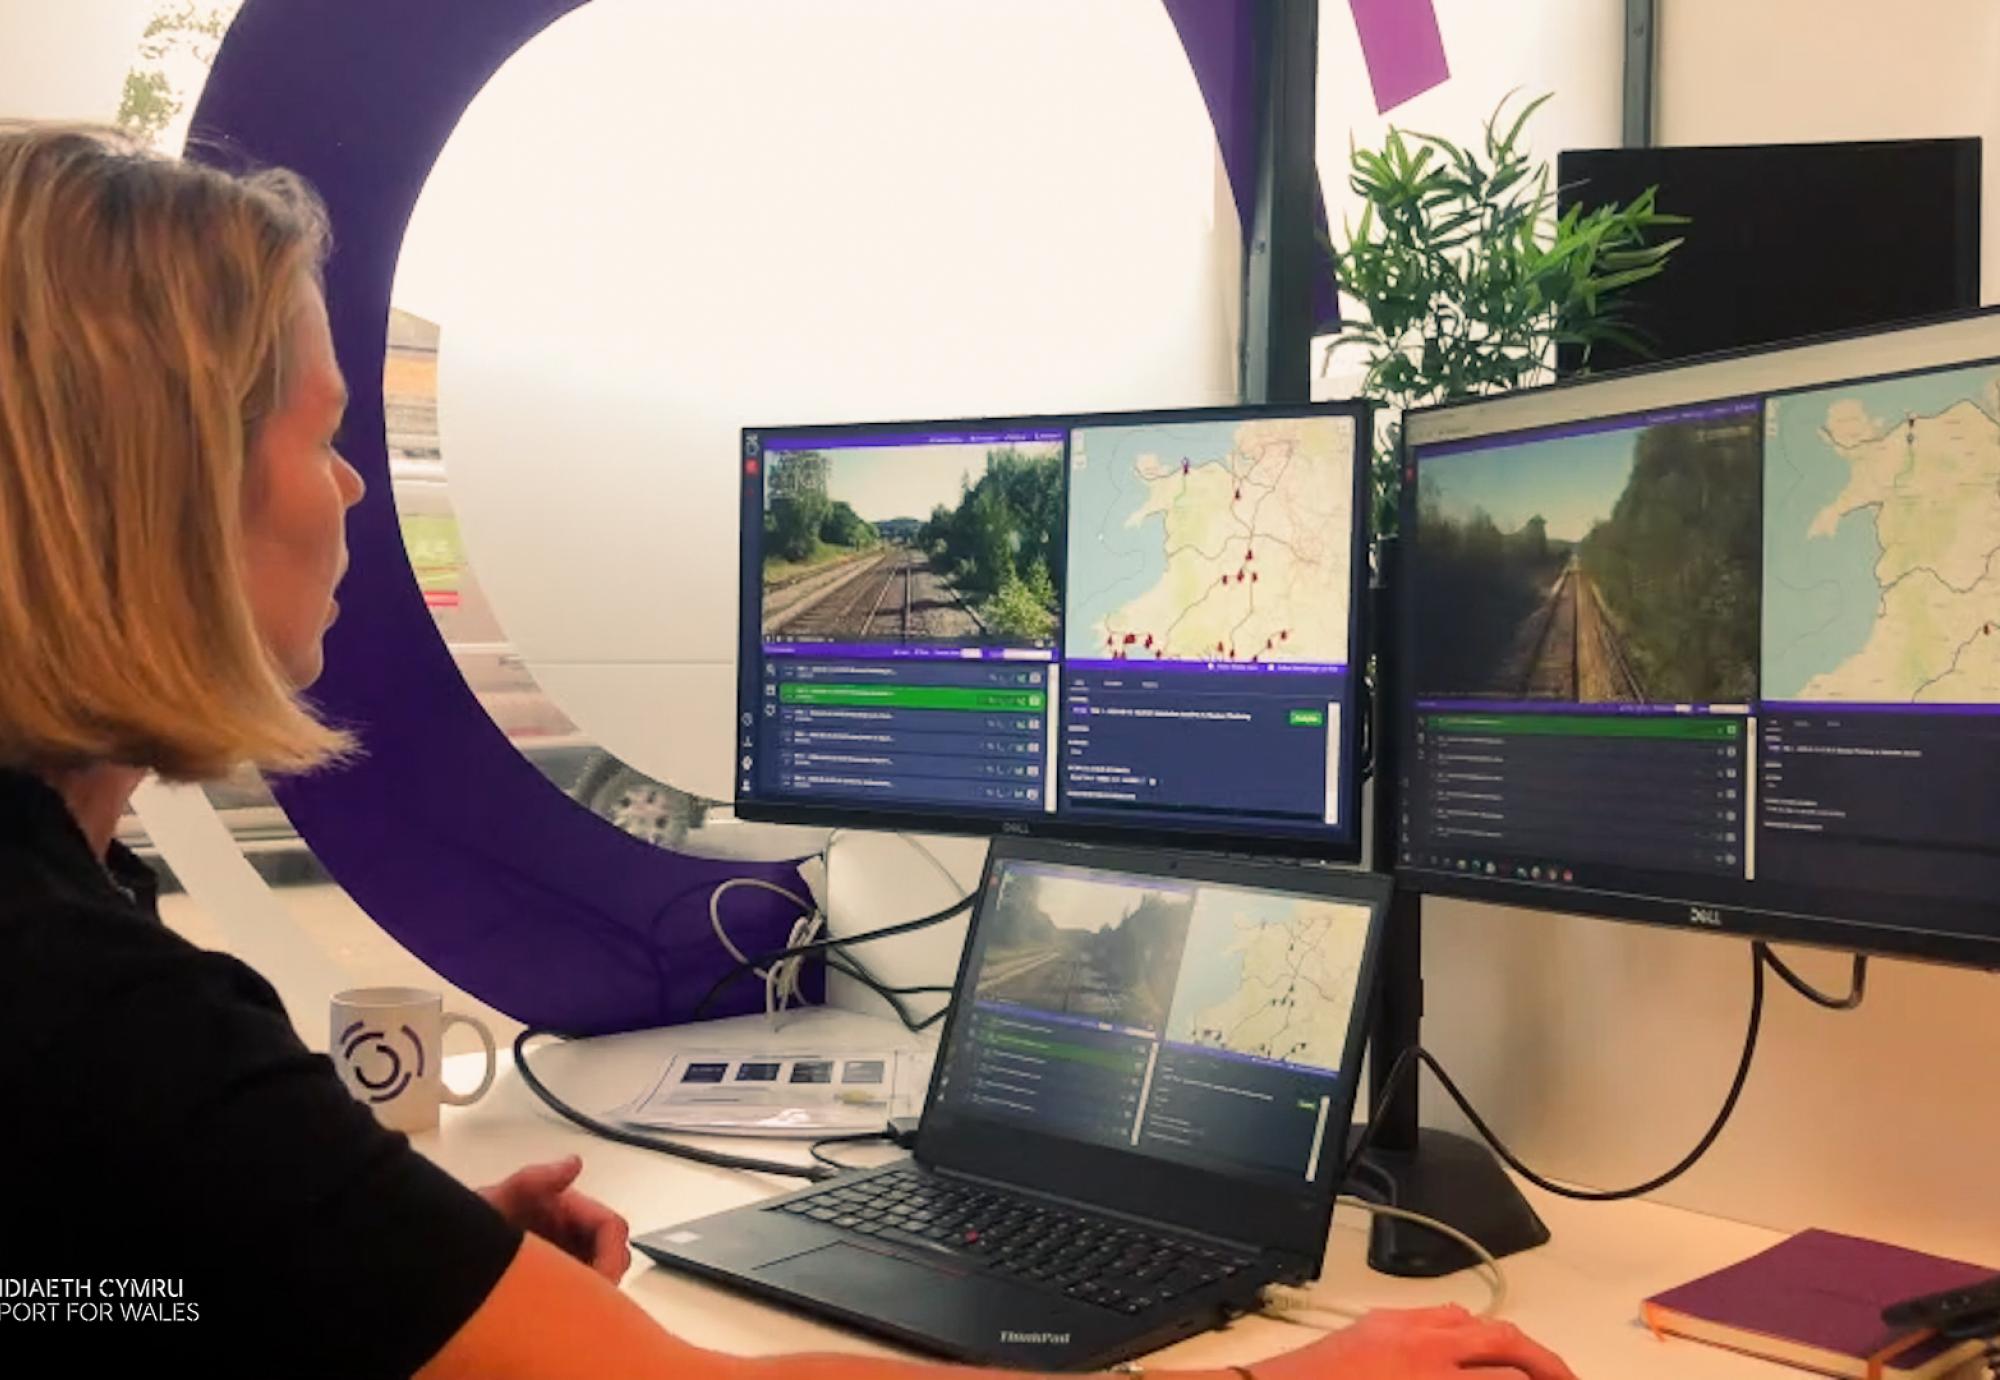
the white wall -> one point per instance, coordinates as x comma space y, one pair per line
67, 61
1778, 71
1601, 1052
659, 224
1570, 50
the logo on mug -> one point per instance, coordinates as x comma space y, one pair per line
358, 1043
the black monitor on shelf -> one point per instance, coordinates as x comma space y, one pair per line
1136, 626
1779, 245
1715, 645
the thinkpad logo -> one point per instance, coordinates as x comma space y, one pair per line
1035, 1338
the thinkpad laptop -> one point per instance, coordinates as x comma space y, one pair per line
1137, 1117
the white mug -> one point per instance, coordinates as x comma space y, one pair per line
388, 1044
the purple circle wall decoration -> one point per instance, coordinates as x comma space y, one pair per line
443, 831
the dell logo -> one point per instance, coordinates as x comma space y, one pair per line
1035, 1338
1705, 915
1011, 827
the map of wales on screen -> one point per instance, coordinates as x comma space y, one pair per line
1212, 542
1270, 976
1882, 542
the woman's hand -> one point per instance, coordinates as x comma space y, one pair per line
539, 1199
1419, 1344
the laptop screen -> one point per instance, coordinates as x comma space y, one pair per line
1193, 1021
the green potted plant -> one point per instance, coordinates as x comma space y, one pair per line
1466, 279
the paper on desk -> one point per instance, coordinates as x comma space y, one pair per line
796, 1092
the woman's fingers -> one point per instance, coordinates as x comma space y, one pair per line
1497, 1346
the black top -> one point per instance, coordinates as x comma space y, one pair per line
162, 1128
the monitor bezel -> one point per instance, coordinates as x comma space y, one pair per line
1859, 922
1342, 846
1251, 1205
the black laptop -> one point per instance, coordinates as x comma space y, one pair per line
1137, 1119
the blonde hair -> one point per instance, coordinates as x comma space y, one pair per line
145, 309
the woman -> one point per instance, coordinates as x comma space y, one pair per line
171, 535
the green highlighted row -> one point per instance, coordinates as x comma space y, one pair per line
1684, 727
1052, 1049
910, 696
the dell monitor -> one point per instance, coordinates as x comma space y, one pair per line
1136, 625
1715, 645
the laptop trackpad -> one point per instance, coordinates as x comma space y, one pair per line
976, 1315
852, 1269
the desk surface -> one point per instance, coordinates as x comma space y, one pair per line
1578, 1295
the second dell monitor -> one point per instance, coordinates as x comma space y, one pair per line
1716, 644
1118, 623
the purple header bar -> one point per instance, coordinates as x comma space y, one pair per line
897, 651
1572, 707
1631, 421
1186, 667
1827, 707
780, 442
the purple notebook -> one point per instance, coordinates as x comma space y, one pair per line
1818, 1290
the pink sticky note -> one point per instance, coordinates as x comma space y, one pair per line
1403, 48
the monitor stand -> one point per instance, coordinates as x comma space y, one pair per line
1433, 1172
1436, 1173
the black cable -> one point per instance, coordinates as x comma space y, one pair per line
964, 903
840, 961
1364, 695
1385, 1191
1857, 985
837, 962
854, 1138
1760, 957
854, 971
1407, 1062
853, 967
814, 1172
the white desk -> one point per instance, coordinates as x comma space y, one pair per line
1578, 1295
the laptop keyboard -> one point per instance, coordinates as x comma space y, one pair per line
1100, 1260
